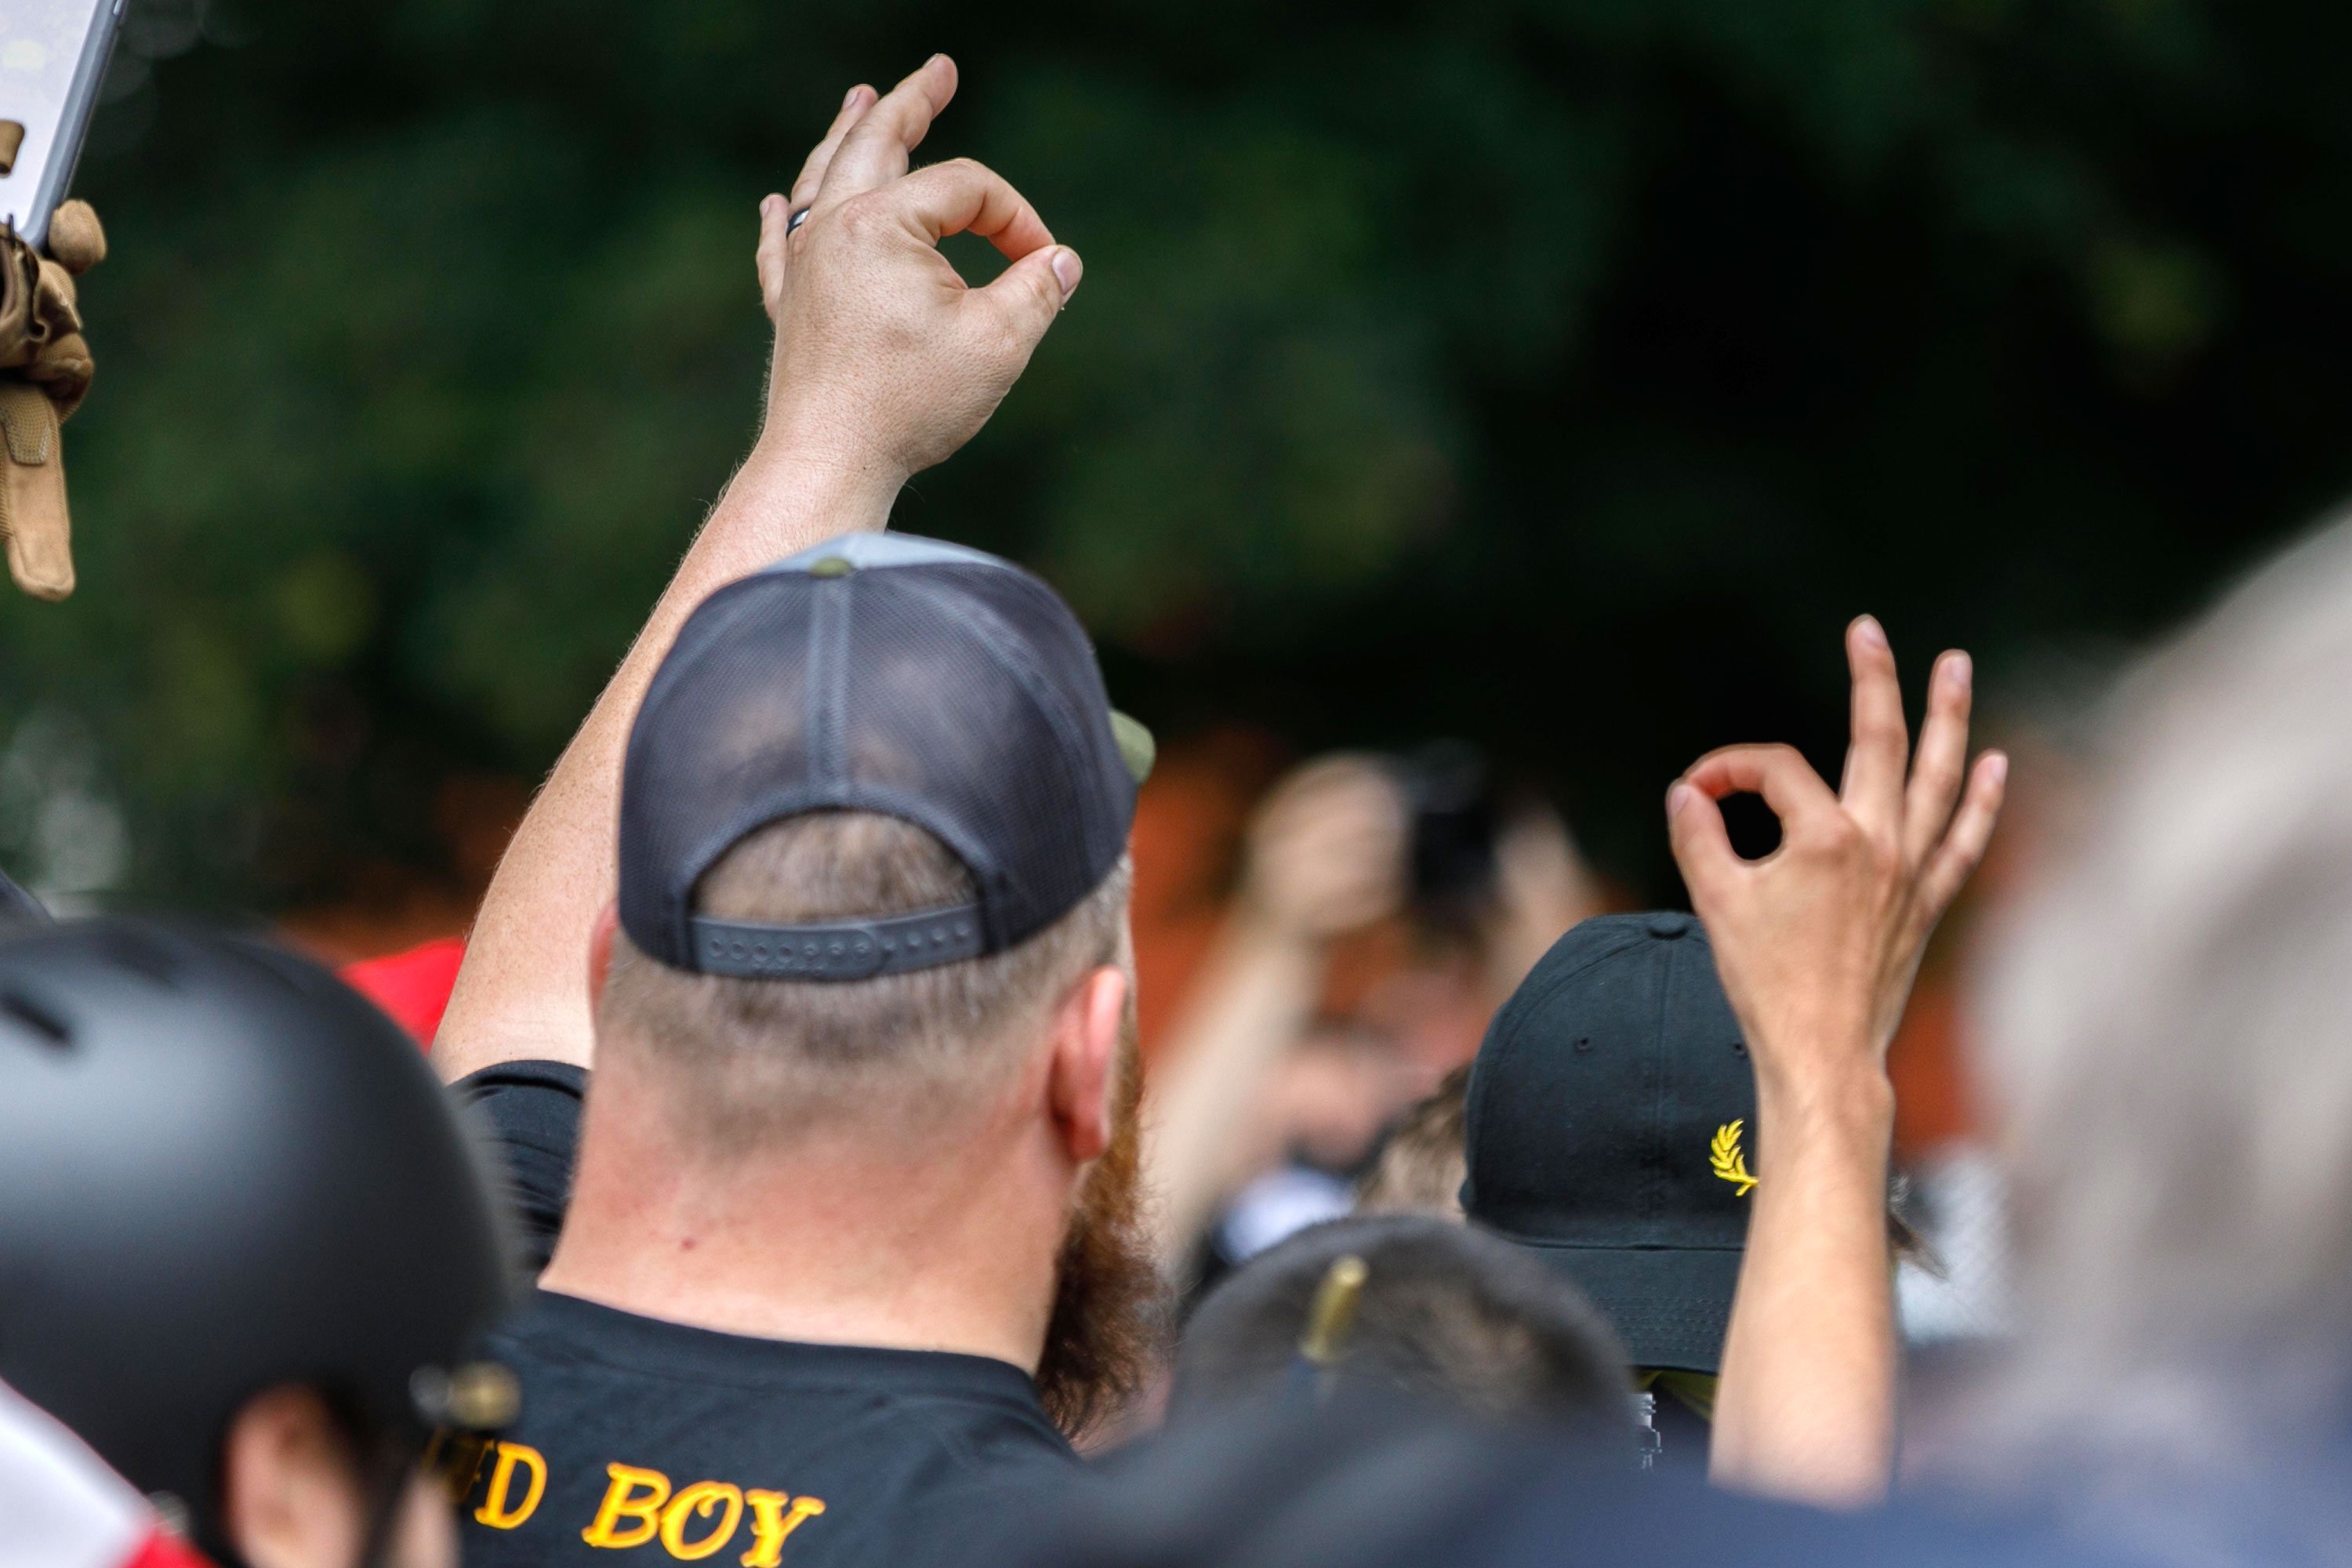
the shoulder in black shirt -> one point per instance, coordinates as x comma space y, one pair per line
531, 1111
676, 1443
688, 1444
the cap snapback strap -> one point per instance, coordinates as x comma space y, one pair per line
843, 950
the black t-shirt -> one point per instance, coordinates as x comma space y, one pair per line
650, 1441
531, 1111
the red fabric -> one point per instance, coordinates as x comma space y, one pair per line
412, 987
162, 1550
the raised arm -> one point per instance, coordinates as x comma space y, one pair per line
1818, 944
884, 363
1326, 855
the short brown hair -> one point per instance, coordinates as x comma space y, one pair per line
1421, 1166
1447, 1312
744, 1053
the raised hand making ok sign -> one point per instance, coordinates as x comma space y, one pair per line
1817, 943
884, 354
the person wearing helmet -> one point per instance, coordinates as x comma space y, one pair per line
244, 1243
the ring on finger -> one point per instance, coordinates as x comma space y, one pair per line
796, 220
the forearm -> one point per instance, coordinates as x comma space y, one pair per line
1806, 1406
523, 989
1252, 997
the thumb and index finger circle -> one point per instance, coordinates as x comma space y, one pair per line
1779, 773
1788, 784
964, 196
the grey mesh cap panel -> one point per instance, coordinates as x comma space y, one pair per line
915, 679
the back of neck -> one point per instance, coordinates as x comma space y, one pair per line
846, 1235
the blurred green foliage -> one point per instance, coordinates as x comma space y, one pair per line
1561, 374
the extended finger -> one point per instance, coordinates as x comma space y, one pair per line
852, 108
1941, 765
1879, 752
1779, 773
1963, 848
877, 148
768, 258
962, 195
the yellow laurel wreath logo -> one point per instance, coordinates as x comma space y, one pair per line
1725, 1156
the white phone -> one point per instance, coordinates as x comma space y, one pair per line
53, 54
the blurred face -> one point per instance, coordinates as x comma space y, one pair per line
1339, 1091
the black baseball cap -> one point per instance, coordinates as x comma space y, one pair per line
1610, 1128
885, 673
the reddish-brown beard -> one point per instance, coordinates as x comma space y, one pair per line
1110, 1307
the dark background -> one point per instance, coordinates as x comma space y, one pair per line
1560, 375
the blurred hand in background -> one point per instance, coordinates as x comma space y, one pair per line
1326, 852
1324, 855
1542, 886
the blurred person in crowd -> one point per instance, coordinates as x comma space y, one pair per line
1643, 1089
247, 1249
1262, 1108
1325, 1102
1370, 1479
1612, 1113
2164, 1025
1444, 1313
1325, 854
1421, 1164
852, 1230
1815, 946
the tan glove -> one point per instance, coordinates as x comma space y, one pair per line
45, 368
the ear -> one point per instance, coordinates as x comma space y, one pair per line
1085, 1030
290, 1489
600, 951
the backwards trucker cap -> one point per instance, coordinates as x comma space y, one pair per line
881, 673
1609, 1130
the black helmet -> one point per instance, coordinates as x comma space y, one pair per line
221, 1170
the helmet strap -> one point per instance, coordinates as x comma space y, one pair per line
387, 1475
